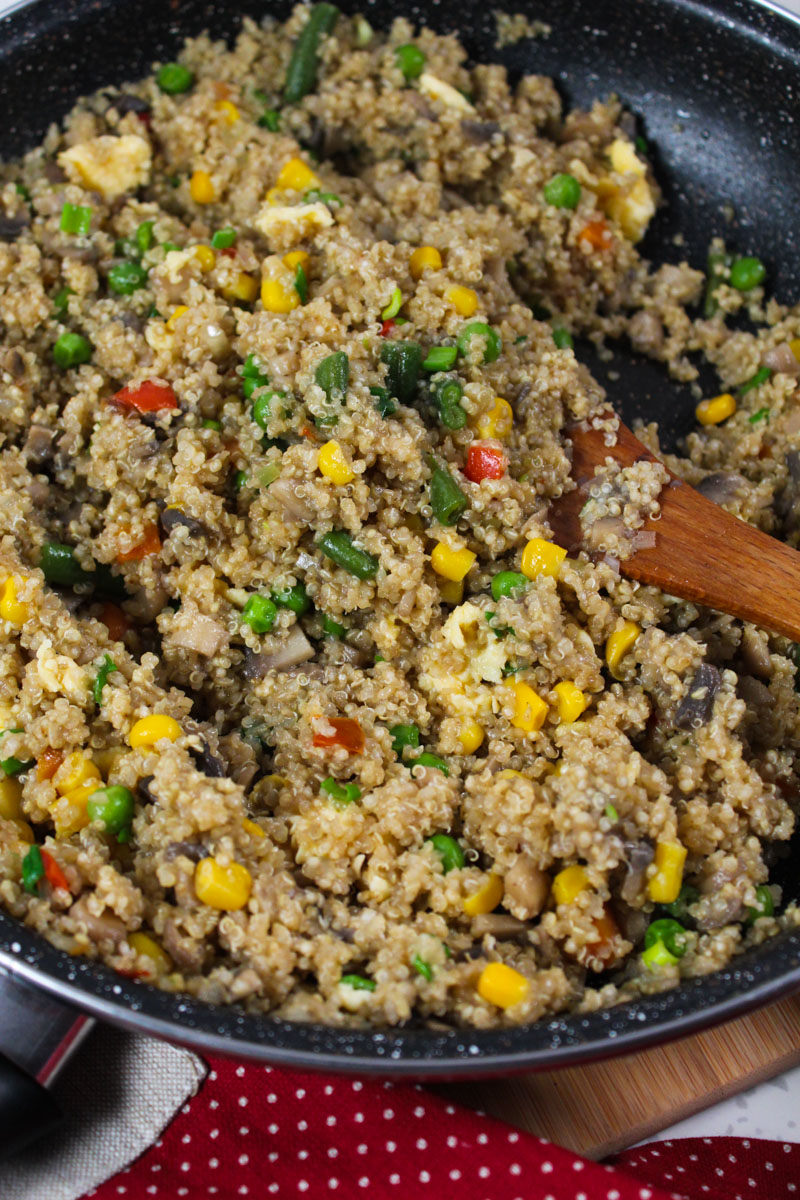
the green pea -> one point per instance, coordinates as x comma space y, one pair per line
506, 583
333, 629
394, 305
61, 301
426, 759
479, 329
339, 547
440, 358
404, 736
747, 273
223, 239
126, 278
449, 851
301, 74
341, 793
333, 375
562, 191
240, 480
668, 931
113, 806
422, 968
562, 339
259, 613
253, 368
174, 78
411, 60
765, 905
403, 365
658, 955
294, 597
70, 350
262, 406
209, 423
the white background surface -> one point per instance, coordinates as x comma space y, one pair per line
771, 1110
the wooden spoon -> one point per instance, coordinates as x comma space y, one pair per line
702, 553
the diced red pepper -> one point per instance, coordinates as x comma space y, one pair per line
115, 621
597, 234
132, 974
147, 397
346, 733
387, 327
48, 763
53, 873
150, 544
229, 252
485, 461
146, 118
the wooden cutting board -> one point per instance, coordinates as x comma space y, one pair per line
604, 1107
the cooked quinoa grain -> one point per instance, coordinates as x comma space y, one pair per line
301, 705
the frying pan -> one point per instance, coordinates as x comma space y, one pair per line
714, 86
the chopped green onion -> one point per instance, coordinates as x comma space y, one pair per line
447, 499
338, 546
32, 869
394, 305
15, 766
562, 339
270, 119
761, 415
144, 236
332, 628
403, 364
426, 759
223, 239
107, 666
294, 597
329, 198
113, 806
259, 613
240, 480
384, 403
301, 74
333, 375
611, 813
422, 968
670, 932
761, 376
440, 358
562, 191
301, 283
364, 32
449, 851
71, 349
174, 78
403, 737
764, 906
479, 329
359, 983
342, 793
411, 60
76, 219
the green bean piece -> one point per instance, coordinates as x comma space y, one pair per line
411, 60
32, 869
301, 283
174, 78
70, 350
301, 75
761, 376
562, 339
107, 666
440, 358
338, 546
113, 806
403, 737
259, 613
333, 629
240, 480
562, 191
341, 793
679, 908
294, 597
447, 499
60, 566
747, 273
76, 219
394, 305
447, 395
506, 583
333, 375
422, 968
764, 906
719, 264
262, 405
223, 239
126, 278
359, 983
383, 401
668, 931
479, 329
403, 365
449, 851
426, 759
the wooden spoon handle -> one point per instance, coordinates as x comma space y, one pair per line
702, 553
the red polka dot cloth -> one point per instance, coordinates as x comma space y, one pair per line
259, 1132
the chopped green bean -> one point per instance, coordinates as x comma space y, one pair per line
411, 60
338, 546
294, 597
301, 283
679, 908
332, 628
447, 395
403, 365
764, 906
270, 119
223, 239
107, 666
301, 74
15, 766
61, 300
403, 738
422, 968
340, 793
60, 566
562, 339
359, 982
440, 358
76, 219
383, 401
32, 869
479, 329
449, 851
144, 236
333, 375
447, 499
426, 759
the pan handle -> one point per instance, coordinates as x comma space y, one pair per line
37, 1035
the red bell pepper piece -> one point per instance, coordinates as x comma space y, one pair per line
53, 873
346, 733
150, 544
485, 461
147, 397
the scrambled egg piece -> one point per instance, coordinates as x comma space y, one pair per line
59, 674
436, 89
627, 199
108, 165
463, 657
286, 224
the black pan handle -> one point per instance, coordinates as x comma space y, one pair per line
38, 1033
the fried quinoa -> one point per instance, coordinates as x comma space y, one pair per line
301, 705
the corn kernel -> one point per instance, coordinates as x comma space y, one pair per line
530, 710
205, 256
541, 557
228, 111
471, 736
201, 188
69, 812
463, 300
452, 564
242, 287
147, 947
426, 258
297, 258
571, 701
509, 774
278, 296
296, 176
569, 883
176, 316
619, 643
711, 412
486, 899
254, 830
11, 609
149, 730
274, 196
451, 590
24, 831
74, 770
665, 885
497, 422
333, 464
794, 346
502, 985
10, 799
227, 888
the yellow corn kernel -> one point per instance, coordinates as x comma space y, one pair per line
227, 888
242, 287
274, 196
147, 947
296, 176
426, 258
452, 564
569, 883
664, 886
451, 590
463, 300
498, 421
297, 258
530, 710
24, 831
69, 812
711, 412
509, 774
278, 296
619, 643
471, 736
227, 110
794, 346
541, 557
333, 464
254, 830
201, 188
10, 799
11, 609
176, 316
571, 701
502, 985
205, 256
74, 770
486, 899
149, 730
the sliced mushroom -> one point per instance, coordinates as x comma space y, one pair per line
697, 705
479, 132
208, 763
297, 508
781, 359
499, 925
755, 653
185, 952
295, 650
174, 518
12, 227
638, 856
194, 631
721, 486
526, 888
39, 444
194, 851
105, 928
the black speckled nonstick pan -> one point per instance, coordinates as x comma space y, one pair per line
715, 86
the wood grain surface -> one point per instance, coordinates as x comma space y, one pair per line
702, 553
602, 1108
